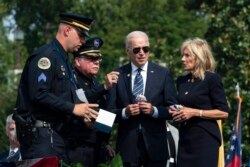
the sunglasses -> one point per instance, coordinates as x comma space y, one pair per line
93, 59
138, 49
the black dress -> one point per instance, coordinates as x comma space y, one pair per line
200, 138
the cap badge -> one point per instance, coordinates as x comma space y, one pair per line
97, 43
44, 63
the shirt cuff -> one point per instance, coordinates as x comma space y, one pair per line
156, 112
123, 114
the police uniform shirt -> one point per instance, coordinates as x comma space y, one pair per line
94, 91
95, 94
46, 87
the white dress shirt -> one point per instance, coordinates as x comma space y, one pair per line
144, 70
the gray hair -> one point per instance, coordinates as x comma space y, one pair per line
9, 120
134, 34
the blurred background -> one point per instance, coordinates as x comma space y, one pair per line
225, 24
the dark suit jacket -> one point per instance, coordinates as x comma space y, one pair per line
4, 157
160, 92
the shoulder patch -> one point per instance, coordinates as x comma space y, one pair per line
44, 63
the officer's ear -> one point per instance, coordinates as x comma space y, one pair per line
66, 29
77, 61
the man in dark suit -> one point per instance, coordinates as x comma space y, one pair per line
140, 99
13, 154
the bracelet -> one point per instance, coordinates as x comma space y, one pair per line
200, 113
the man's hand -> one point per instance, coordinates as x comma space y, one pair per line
110, 79
86, 111
110, 151
88, 123
146, 108
132, 110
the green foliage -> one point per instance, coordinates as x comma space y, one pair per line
6, 94
165, 22
38, 19
117, 161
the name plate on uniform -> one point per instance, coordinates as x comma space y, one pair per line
105, 120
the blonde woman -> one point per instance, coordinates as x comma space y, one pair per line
203, 101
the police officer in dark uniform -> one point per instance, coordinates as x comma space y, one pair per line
86, 143
47, 94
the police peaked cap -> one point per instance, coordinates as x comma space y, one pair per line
90, 48
82, 24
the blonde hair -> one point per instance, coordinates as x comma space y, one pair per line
201, 51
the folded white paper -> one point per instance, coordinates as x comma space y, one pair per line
104, 121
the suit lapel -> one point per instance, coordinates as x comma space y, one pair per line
150, 79
127, 81
4, 156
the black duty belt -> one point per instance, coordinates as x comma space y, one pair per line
42, 124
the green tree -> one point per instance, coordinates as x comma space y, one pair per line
6, 94
38, 19
166, 22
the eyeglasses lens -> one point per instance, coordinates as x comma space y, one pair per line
90, 58
145, 49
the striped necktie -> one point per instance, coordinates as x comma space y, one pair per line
138, 83
11, 154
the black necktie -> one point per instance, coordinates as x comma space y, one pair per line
138, 83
